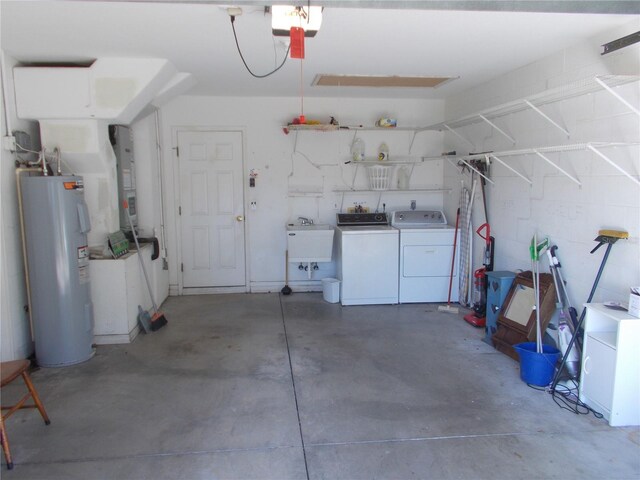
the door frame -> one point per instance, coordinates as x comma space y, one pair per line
177, 201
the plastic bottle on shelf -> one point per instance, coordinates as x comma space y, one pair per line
357, 150
383, 152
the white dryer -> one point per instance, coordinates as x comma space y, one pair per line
426, 251
367, 259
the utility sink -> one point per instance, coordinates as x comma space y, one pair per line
310, 243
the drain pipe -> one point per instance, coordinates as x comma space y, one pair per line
19, 172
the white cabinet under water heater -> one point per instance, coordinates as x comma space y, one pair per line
56, 223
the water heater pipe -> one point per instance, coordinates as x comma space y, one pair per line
56, 151
5, 94
43, 157
19, 172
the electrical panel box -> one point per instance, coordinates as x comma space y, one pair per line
121, 139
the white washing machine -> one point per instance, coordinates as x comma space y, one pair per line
367, 259
426, 250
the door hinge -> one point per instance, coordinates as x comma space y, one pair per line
182, 267
179, 210
177, 151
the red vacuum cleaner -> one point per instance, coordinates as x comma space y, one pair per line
477, 318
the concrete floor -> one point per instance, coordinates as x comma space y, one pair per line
268, 386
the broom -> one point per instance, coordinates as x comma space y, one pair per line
448, 308
158, 320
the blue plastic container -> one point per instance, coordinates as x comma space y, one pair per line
537, 368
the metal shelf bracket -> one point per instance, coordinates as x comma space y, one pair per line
616, 95
497, 128
413, 137
612, 163
458, 135
557, 167
547, 118
507, 166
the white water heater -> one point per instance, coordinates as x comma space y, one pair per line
56, 225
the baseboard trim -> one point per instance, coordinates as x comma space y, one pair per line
297, 286
254, 287
212, 290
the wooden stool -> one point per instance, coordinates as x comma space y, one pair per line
9, 372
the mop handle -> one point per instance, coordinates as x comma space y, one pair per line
144, 270
453, 257
556, 378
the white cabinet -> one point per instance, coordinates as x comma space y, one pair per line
117, 288
610, 378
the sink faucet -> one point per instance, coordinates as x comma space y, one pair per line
305, 221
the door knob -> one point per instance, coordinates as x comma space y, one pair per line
240, 218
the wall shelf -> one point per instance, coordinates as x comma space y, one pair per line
299, 193
407, 161
310, 128
534, 102
594, 147
389, 163
394, 190
332, 128
351, 128
347, 191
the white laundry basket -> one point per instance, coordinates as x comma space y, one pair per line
379, 176
331, 290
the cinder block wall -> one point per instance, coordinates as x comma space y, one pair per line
555, 206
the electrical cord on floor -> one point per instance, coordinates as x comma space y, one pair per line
233, 19
567, 398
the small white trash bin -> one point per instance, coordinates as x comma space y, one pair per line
331, 290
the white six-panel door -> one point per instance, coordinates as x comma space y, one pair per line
211, 209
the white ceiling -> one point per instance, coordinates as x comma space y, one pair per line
197, 38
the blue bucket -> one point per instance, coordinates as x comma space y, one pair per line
537, 368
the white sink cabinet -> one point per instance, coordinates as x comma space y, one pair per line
310, 243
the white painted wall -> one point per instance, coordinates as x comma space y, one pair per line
555, 206
317, 164
14, 321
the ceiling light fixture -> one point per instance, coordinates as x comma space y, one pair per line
283, 17
329, 80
